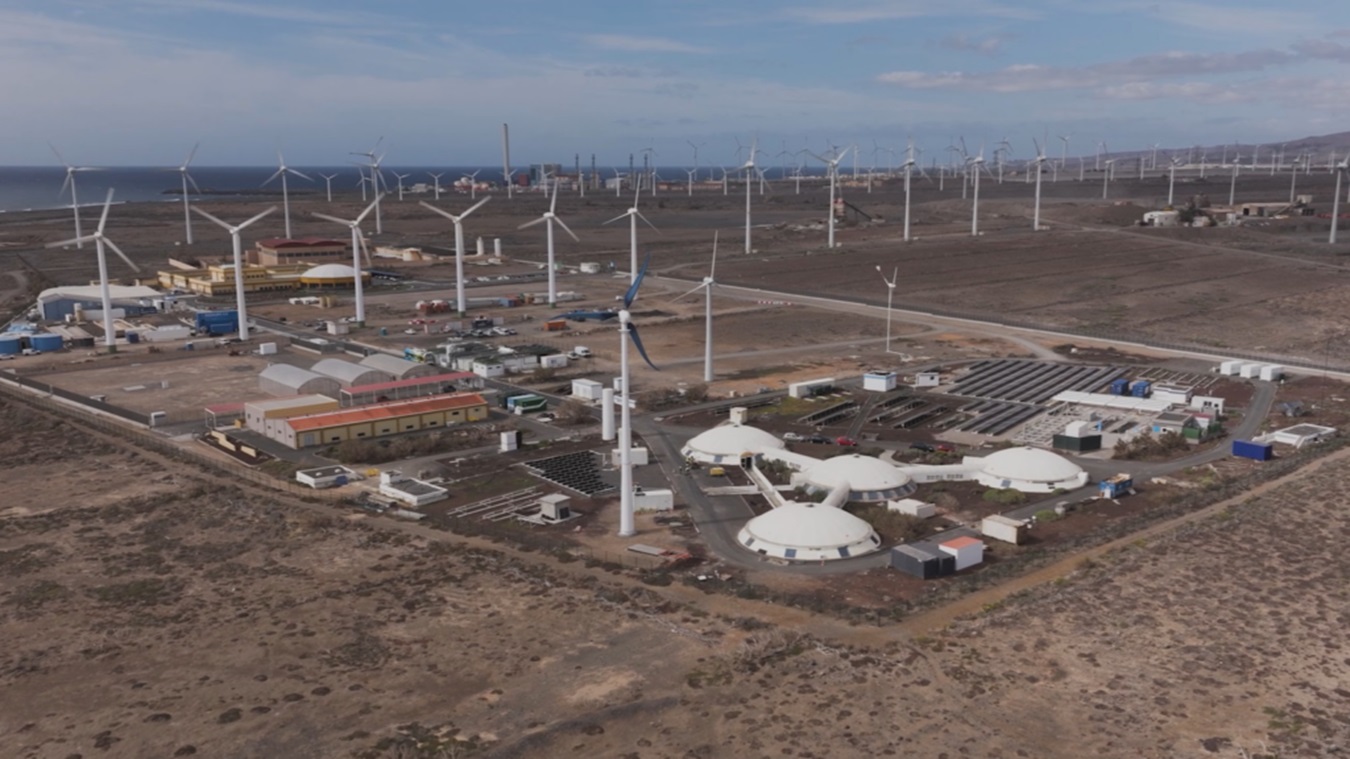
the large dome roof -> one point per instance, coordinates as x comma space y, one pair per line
862, 473
330, 271
1030, 464
730, 440
809, 531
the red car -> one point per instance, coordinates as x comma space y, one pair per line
945, 448
846, 441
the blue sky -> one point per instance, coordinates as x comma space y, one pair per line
137, 82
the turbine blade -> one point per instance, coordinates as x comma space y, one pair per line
637, 343
107, 205
191, 154
255, 218
442, 212
713, 269
122, 255
71, 241
631, 295
563, 224
57, 153
364, 249
299, 174
553, 206
648, 223
616, 218
475, 206
192, 182
687, 293
200, 212
269, 179
529, 224
334, 219
369, 208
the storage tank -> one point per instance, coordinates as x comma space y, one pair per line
46, 342
11, 345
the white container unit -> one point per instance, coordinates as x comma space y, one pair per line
1272, 372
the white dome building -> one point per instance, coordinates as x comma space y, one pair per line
808, 532
332, 275
725, 444
1030, 470
869, 479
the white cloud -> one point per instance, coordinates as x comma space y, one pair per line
632, 44
988, 45
895, 10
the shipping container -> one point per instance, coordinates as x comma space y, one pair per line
1272, 372
217, 322
1083, 444
1141, 389
133, 338
1120, 386
10, 345
1256, 451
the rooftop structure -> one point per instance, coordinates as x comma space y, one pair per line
808, 532
399, 368
273, 251
728, 442
382, 420
348, 373
1030, 470
284, 379
869, 479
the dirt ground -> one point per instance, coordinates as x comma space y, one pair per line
162, 614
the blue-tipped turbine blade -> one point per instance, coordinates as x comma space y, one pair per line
631, 295
637, 342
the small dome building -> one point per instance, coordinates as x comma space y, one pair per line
332, 275
808, 532
1030, 470
725, 444
870, 480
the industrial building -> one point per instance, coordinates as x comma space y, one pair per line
413, 387
728, 443
266, 416
870, 480
1030, 470
382, 420
56, 303
348, 373
275, 251
399, 368
283, 379
808, 532
218, 279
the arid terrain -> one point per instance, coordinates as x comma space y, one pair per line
168, 613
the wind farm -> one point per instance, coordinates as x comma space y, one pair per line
783, 381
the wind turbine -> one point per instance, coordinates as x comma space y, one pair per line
707, 286
833, 167
909, 170
459, 247
328, 184
240, 302
358, 243
282, 171
749, 168
1335, 201
1106, 176
400, 178
74, 201
109, 328
1038, 163
1232, 185
890, 294
473, 184
549, 217
633, 214
975, 165
186, 177
695, 146
436, 186
1172, 179
691, 173
1063, 153
628, 330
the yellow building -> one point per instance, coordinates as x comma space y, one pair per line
218, 279
280, 251
381, 420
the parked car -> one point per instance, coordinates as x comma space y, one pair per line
819, 440
793, 437
946, 448
925, 447
846, 441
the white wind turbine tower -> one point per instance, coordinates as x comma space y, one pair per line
400, 178
328, 185
749, 168
506, 158
1293, 177
1172, 179
548, 218
1106, 176
691, 173
628, 330
633, 214
909, 171
473, 184
436, 186
358, 244
74, 200
975, 165
1038, 163
109, 327
187, 205
282, 171
707, 285
240, 303
1232, 184
459, 247
832, 166
890, 295
1063, 154
1335, 202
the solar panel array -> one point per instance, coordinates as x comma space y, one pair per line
579, 471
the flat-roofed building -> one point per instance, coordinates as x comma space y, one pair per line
413, 387
382, 420
273, 251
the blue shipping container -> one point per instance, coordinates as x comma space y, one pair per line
1141, 389
46, 342
217, 322
1257, 451
1120, 386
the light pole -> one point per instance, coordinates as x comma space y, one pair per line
890, 296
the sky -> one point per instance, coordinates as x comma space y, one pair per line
138, 82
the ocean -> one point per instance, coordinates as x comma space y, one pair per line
26, 188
